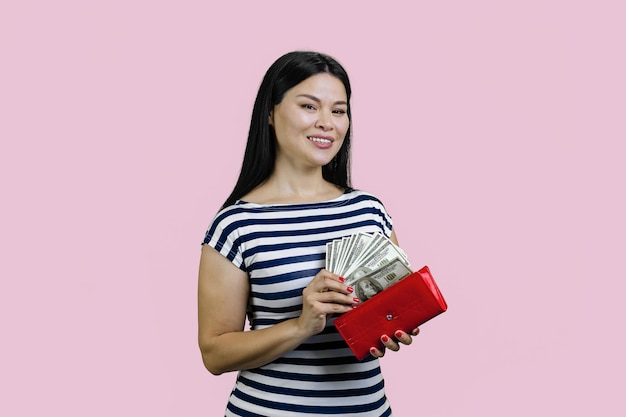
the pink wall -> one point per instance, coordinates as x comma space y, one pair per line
493, 131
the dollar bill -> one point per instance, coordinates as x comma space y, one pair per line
368, 285
371, 246
369, 262
385, 252
356, 245
329, 253
344, 246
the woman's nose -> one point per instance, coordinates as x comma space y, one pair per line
324, 121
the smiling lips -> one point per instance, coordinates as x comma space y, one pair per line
321, 141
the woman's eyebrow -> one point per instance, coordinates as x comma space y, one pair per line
317, 100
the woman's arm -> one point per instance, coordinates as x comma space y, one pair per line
223, 291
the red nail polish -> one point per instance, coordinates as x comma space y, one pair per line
350, 289
398, 334
385, 339
373, 351
341, 279
356, 300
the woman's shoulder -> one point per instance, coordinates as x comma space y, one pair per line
233, 213
358, 194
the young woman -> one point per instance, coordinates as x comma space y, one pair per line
263, 255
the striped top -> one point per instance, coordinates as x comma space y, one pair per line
282, 247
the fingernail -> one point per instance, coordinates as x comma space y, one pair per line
350, 289
398, 334
341, 279
354, 306
373, 351
384, 338
356, 300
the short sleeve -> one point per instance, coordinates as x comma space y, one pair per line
223, 235
386, 222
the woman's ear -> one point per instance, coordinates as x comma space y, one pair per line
270, 118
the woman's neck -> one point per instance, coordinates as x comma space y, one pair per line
294, 187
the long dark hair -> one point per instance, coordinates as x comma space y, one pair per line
260, 155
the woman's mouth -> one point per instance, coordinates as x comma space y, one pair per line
321, 142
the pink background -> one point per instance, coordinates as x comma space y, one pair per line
493, 131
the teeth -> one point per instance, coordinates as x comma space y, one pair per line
319, 140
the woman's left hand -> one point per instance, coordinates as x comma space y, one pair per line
393, 342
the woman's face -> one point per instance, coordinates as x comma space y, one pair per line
311, 122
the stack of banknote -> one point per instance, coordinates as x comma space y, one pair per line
369, 262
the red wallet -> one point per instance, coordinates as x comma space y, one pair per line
403, 306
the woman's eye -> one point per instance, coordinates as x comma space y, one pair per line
339, 111
308, 106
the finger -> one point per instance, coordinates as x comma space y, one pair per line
403, 337
377, 353
337, 298
415, 331
324, 274
331, 284
314, 307
390, 343
326, 281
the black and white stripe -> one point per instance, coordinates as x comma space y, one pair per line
282, 247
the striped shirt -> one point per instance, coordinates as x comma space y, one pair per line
281, 248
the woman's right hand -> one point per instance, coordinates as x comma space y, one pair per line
326, 294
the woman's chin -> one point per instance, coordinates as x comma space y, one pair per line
325, 160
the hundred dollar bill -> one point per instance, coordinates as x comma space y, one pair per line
358, 243
355, 245
343, 253
339, 249
368, 285
331, 256
337, 252
383, 254
370, 246
329, 253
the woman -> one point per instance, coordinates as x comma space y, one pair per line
263, 255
